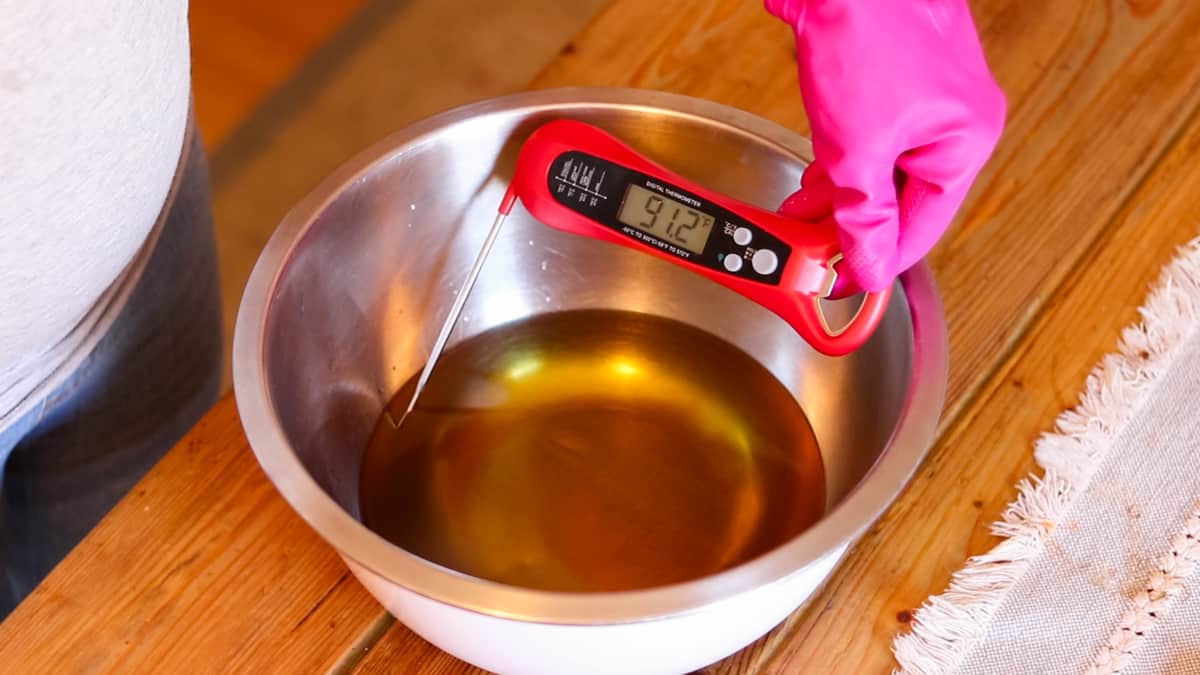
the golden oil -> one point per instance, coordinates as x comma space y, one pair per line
593, 450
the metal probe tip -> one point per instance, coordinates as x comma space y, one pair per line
452, 318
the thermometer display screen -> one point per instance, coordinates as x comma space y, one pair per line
666, 218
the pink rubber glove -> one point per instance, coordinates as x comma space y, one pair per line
904, 114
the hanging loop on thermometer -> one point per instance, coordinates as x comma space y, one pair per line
577, 178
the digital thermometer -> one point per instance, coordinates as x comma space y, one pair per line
577, 178
574, 177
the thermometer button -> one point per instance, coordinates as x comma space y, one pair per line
742, 236
765, 261
733, 262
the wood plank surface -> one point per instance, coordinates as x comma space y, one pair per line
399, 61
206, 613
1095, 91
202, 569
1051, 255
1079, 76
1075, 73
403, 651
968, 482
242, 50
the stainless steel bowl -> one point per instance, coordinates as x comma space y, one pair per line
348, 296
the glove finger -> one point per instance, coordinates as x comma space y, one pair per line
814, 200
936, 180
813, 203
867, 215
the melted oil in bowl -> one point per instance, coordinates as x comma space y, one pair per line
593, 451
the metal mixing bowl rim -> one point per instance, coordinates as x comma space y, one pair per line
841, 525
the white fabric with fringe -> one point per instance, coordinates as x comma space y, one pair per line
1097, 569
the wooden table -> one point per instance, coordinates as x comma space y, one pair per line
203, 567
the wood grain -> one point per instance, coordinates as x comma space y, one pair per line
1077, 74
202, 568
226, 578
403, 651
728, 51
422, 57
1052, 253
944, 517
242, 50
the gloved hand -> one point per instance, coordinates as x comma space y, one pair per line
904, 114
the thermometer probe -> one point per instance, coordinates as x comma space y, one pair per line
577, 178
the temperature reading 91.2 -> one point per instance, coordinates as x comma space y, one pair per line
666, 218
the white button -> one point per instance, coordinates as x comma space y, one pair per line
742, 236
765, 261
733, 262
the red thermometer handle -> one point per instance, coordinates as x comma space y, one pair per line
574, 177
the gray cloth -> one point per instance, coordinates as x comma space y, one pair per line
155, 372
1096, 572
1068, 603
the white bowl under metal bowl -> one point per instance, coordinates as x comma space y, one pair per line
348, 296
